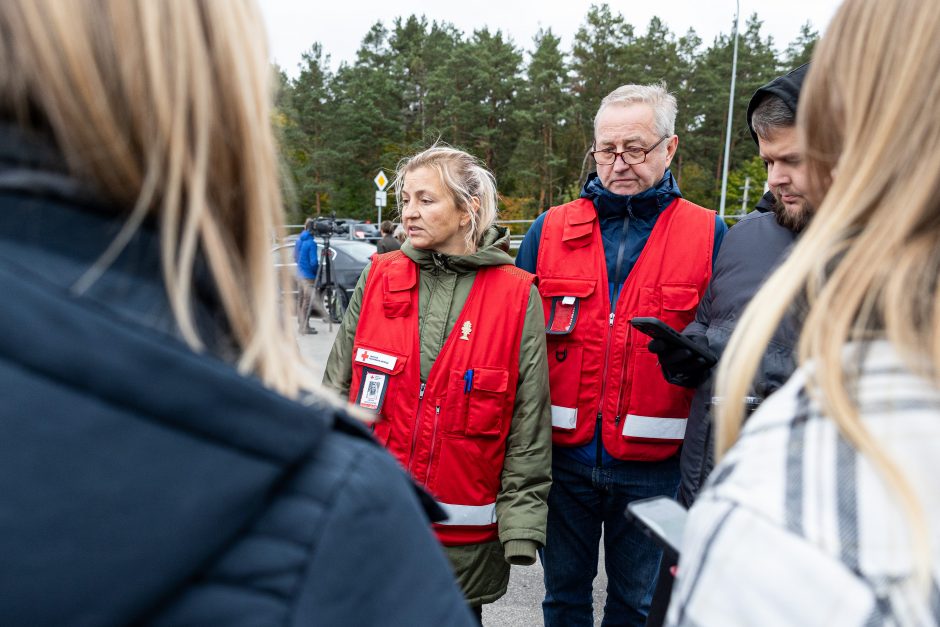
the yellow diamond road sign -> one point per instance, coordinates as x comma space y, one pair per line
381, 181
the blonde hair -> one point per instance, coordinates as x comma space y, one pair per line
868, 264
165, 108
466, 179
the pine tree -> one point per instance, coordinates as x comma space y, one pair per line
545, 106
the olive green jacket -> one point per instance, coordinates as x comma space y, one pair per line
521, 506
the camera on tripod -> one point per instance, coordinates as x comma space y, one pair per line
326, 227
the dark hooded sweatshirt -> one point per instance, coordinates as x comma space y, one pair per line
751, 250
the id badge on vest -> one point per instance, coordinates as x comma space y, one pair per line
372, 390
564, 315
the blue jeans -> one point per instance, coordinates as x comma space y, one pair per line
583, 499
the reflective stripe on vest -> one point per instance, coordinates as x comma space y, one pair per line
654, 427
470, 515
564, 417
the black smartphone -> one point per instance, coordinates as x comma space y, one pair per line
662, 519
657, 329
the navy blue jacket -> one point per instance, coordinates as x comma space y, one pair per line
305, 253
626, 223
144, 483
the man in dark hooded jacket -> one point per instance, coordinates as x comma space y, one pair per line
749, 254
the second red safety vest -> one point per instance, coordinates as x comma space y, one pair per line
599, 366
450, 432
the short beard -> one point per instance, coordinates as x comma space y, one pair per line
794, 222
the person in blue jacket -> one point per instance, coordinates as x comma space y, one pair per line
305, 254
165, 456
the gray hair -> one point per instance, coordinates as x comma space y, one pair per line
656, 96
465, 177
771, 115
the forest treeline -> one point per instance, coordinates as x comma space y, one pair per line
528, 113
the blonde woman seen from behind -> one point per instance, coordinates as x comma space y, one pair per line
824, 509
166, 457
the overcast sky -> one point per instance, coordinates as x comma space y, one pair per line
294, 25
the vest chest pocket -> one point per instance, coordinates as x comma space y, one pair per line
476, 401
396, 298
562, 301
374, 378
678, 299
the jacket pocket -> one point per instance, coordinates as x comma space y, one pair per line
564, 376
476, 400
487, 401
679, 297
657, 410
679, 302
396, 300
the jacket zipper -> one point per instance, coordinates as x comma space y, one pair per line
437, 415
414, 432
610, 327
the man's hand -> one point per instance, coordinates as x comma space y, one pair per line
680, 365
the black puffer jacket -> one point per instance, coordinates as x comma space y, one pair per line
751, 250
142, 483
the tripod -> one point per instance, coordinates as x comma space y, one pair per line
326, 288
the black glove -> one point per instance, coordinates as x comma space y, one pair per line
680, 365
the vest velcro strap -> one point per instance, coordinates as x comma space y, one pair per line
564, 417
654, 427
469, 515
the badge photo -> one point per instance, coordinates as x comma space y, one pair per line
372, 390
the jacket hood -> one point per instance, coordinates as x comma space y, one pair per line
767, 202
493, 251
645, 205
786, 87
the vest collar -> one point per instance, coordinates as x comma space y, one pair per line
645, 205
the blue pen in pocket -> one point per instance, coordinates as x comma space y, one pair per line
467, 381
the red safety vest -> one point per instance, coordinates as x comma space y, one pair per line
450, 432
599, 366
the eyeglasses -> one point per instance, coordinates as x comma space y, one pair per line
630, 156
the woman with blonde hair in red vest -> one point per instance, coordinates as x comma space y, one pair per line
444, 343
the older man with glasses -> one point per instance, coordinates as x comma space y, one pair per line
629, 246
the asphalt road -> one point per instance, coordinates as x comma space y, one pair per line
521, 606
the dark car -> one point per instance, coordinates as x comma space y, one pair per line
347, 259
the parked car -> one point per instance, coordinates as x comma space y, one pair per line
347, 260
365, 231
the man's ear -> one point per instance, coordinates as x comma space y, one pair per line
671, 147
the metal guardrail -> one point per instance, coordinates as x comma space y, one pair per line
514, 240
